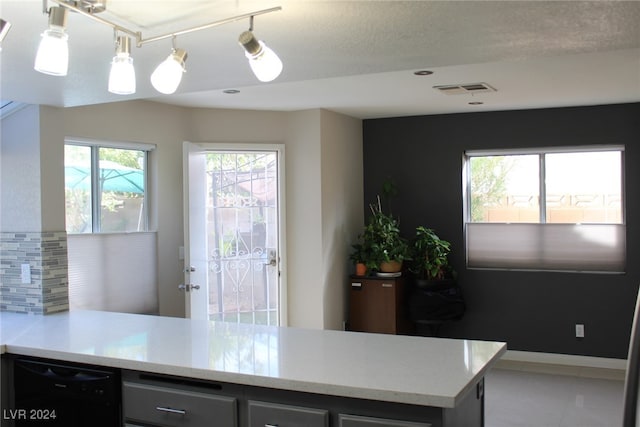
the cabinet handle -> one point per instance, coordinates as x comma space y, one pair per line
271, 425
387, 285
171, 410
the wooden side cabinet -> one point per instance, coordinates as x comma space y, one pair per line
378, 305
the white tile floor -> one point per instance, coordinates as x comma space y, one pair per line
519, 395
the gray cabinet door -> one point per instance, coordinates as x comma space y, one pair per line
265, 414
165, 406
359, 421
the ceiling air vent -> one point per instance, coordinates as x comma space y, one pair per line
461, 89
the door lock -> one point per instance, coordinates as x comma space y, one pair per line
188, 287
272, 260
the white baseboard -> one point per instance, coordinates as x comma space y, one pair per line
565, 359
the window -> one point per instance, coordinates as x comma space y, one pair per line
109, 249
105, 188
559, 209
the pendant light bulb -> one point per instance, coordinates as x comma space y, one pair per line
167, 76
122, 78
264, 62
53, 53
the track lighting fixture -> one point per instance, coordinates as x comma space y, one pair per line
53, 52
122, 78
264, 62
4, 29
167, 76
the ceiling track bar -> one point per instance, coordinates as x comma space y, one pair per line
210, 25
138, 35
113, 25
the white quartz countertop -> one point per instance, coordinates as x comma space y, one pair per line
414, 370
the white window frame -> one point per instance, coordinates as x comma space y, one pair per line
553, 247
95, 146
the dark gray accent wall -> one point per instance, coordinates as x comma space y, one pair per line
531, 311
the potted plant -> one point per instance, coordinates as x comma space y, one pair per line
360, 257
429, 257
386, 248
436, 298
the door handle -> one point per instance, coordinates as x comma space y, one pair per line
272, 261
188, 287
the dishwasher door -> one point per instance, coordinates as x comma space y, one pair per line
51, 393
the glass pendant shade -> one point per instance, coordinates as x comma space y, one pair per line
264, 62
122, 78
53, 53
167, 76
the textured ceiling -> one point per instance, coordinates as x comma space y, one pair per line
166, 16
355, 57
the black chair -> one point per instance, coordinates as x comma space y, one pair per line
631, 417
436, 304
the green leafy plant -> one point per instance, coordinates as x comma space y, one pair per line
359, 253
429, 255
381, 240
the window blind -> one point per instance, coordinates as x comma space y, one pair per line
113, 272
557, 247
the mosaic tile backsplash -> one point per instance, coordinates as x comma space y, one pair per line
46, 254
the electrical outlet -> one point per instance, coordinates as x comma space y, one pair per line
579, 330
25, 274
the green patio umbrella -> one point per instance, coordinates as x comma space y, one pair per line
113, 177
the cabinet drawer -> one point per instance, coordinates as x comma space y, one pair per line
359, 421
173, 407
264, 414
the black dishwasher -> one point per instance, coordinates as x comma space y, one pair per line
52, 393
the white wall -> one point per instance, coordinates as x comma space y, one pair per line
300, 133
20, 203
323, 155
52, 169
207, 125
342, 209
31, 197
165, 126
304, 220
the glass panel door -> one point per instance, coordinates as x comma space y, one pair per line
242, 230
233, 233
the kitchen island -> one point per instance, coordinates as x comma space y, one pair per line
363, 370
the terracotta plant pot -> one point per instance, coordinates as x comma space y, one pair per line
390, 267
361, 269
